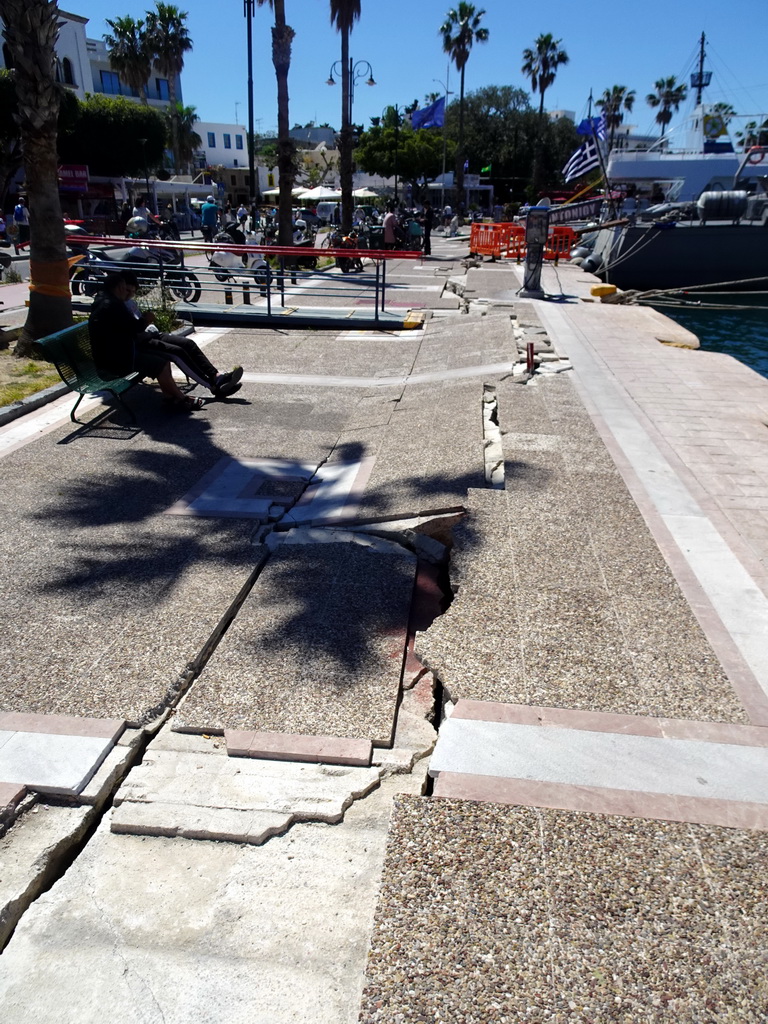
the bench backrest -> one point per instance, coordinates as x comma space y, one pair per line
70, 352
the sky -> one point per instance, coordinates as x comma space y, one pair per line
619, 44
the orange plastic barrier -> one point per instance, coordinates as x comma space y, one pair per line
496, 240
560, 241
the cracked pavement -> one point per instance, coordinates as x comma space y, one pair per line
295, 686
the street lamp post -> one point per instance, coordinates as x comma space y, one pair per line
446, 92
354, 72
396, 113
146, 171
248, 11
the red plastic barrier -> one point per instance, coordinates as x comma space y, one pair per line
560, 241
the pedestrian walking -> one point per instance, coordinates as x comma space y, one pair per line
21, 220
428, 219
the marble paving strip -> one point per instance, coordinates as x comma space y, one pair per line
601, 800
54, 754
671, 769
317, 380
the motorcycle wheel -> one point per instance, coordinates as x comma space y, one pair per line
221, 275
186, 288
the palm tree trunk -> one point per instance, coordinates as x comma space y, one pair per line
174, 126
460, 152
31, 31
345, 139
282, 37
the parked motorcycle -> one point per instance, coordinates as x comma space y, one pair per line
153, 267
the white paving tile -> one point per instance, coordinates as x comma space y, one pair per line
648, 764
51, 763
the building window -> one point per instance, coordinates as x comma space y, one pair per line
238, 141
66, 70
212, 139
162, 89
227, 141
234, 163
234, 178
110, 83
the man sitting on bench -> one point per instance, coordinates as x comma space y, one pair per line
121, 344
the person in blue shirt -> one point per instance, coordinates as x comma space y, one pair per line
209, 217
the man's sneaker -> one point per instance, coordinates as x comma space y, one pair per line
232, 377
227, 389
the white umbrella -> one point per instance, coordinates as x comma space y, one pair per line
365, 193
320, 193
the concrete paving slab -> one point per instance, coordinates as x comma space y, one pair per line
317, 647
203, 931
213, 796
525, 927
29, 856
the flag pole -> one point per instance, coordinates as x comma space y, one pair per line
603, 170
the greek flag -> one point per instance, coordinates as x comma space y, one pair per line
586, 158
432, 116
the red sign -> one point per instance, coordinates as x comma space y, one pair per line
73, 178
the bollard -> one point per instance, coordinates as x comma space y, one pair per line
529, 365
228, 295
246, 294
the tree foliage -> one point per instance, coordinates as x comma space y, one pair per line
419, 153
105, 136
460, 30
502, 129
668, 97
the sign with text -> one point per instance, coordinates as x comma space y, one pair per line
73, 178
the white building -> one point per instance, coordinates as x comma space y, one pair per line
82, 64
222, 145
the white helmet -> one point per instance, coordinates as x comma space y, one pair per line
137, 226
209, 199
301, 224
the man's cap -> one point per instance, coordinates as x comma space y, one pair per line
209, 199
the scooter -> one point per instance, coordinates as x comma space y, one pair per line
226, 264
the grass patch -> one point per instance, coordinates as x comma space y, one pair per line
20, 378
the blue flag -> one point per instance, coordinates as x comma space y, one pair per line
432, 116
586, 158
592, 126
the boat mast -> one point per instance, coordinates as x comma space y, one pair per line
700, 79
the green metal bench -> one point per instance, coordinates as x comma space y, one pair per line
70, 352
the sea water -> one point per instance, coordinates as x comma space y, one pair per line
740, 332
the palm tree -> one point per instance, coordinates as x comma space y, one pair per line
460, 30
668, 97
282, 38
129, 53
613, 103
541, 64
31, 30
344, 13
187, 139
169, 40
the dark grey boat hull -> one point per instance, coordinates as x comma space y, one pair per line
685, 256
